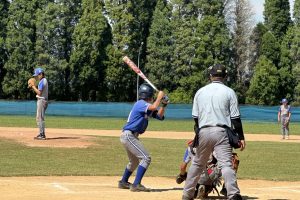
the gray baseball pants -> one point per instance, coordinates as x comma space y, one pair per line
212, 139
136, 151
42, 105
284, 126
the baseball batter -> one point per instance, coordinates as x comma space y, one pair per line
137, 124
215, 108
284, 116
42, 101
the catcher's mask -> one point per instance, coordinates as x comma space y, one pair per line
218, 70
38, 71
145, 91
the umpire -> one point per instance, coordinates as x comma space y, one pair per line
215, 109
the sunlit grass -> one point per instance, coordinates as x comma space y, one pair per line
261, 160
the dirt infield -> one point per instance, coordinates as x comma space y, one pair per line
101, 188
82, 138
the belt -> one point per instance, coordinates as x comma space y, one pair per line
133, 133
222, 126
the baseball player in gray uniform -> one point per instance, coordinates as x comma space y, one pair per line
215, 109
284, 116
42, 101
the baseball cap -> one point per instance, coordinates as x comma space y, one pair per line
218, 70
284, 101
37, 71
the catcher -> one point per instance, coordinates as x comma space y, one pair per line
42, 99
210, 179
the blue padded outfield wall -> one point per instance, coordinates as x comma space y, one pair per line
121, 110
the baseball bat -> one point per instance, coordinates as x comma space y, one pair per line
133, 66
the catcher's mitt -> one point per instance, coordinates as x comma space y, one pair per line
180, 178
31, 82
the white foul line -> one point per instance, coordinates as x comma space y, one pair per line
60, 187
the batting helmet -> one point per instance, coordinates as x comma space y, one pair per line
284, 101
218, 70
145, 91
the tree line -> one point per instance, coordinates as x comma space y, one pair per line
80, 44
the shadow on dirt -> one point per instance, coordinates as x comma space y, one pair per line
166, 189
278, 199
247, 197
63, 138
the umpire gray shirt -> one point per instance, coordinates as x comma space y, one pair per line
215, 105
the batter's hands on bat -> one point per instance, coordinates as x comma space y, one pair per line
160, 95
165, 100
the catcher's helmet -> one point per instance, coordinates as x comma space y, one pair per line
218, 70
145, 91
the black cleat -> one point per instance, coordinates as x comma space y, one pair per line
40, 137
237, 197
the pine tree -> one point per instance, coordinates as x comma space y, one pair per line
270, 48
255, 45
263, 88
158, 65
20, 44
214, 44
287, 81
186, 39
293, 51
4, 4
90, 38
130, 21
277, 17
55, 26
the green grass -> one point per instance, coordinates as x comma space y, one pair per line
261, 160
118, 123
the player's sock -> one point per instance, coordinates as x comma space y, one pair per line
139, 175
126, 175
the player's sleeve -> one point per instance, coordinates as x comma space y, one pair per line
235, 115
156, 116
195, 109
238, 127
187, 157
142, 107
41, 85
234, 106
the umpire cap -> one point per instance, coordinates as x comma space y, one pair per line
145, 91
218, 70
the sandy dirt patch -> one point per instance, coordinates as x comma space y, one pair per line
82, 138
102, 188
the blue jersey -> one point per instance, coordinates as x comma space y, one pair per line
138, 118
43, 86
